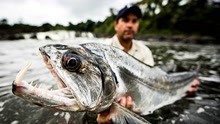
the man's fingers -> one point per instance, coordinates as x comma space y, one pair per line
194, 87
195, 83
129, 102
104, 117
191, 91
126, 101
122, 101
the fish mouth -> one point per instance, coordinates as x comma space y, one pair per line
61, 98
47, 61
68, 95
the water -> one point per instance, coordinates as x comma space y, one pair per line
203, 107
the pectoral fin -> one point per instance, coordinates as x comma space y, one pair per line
124, 116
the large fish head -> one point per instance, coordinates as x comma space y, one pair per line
81, 72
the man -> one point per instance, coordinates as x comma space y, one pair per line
126, 26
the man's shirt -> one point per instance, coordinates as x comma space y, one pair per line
138, 50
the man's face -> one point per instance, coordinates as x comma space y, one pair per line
127, 27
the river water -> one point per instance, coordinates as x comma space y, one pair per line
202, 108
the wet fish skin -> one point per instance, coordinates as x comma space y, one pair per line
150, 87
105, 74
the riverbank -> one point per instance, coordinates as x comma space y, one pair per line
191, 39
56, 35
63, 35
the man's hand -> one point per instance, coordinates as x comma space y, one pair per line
194, 87
105, 116
126, 101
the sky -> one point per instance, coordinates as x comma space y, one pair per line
37, 12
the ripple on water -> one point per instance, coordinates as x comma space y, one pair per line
15, 122
200, 110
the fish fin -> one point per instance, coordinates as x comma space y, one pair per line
198, 67
122, 115
168, 67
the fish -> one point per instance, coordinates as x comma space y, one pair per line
92, 76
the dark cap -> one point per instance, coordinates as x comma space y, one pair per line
126, 10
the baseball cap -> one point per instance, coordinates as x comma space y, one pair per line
126, 10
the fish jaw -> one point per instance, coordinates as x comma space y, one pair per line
60, 99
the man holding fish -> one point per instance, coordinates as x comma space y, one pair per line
126, 26
102, 79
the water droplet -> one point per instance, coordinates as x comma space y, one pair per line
200, 110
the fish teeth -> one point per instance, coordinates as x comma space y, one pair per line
48, 62
35, 85
31, 83
39, 54
22, 72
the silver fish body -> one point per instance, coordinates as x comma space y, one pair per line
92, 76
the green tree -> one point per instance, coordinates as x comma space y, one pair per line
3, 22
46, 27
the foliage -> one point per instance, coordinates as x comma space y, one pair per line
106, 28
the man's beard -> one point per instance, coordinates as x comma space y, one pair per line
128, 37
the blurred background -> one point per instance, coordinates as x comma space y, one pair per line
182, 34
194, 21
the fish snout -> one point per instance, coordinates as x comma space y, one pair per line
16, 89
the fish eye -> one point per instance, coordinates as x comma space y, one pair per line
71, 62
